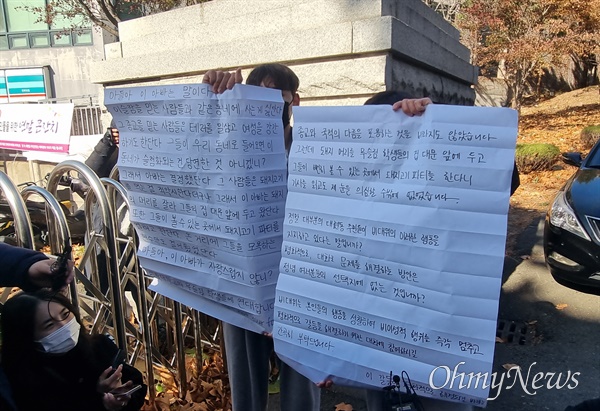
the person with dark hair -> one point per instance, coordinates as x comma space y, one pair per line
53, 364
282, 78
272, 75
248, 353
387, 98
28, 270
376, 399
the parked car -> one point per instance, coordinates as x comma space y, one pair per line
572, 227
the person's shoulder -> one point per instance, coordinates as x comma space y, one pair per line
103, 341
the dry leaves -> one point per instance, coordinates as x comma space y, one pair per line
561, 306
208, 389
342, 406
557, 121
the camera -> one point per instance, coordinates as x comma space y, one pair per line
59, 268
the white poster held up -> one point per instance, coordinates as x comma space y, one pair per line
393, 246
36, 127
206, 183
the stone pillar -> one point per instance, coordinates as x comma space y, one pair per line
343, 51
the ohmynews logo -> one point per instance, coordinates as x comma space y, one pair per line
530, 383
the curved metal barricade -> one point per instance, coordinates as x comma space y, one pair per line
19, 210
22, 222
58, 229
161, 320
154, 310
98, 235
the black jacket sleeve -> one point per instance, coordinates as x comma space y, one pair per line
14, 265
104, 157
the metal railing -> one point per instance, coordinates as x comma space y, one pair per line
86, 121
158, 318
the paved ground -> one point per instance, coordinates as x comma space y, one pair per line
560, 334
565, 330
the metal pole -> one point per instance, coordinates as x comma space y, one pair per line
58, 228
114, 187
180, 349
18, 208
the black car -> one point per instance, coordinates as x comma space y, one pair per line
572, 229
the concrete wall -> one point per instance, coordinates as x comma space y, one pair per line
343, 51
21, 171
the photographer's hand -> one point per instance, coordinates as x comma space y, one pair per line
41, 275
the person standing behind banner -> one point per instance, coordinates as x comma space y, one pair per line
375, 399
248, 353
403, 101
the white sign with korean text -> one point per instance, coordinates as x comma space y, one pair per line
393, 245
206, 183
36, 127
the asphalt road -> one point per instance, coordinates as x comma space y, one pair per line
549, 330
563, 333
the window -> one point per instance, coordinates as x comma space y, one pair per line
21, 28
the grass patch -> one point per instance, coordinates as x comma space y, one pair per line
536, 157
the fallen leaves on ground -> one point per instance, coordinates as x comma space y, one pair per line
561, 306
342, 406
208, 388
557, 121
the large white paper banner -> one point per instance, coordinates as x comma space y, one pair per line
206, 182
393, 246
36, 127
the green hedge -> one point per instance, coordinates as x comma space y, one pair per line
590, 135
536, 157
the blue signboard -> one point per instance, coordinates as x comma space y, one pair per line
23, 84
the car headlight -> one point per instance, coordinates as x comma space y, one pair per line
562, 215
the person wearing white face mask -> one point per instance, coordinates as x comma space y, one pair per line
63, 339
52, 364
28, 270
